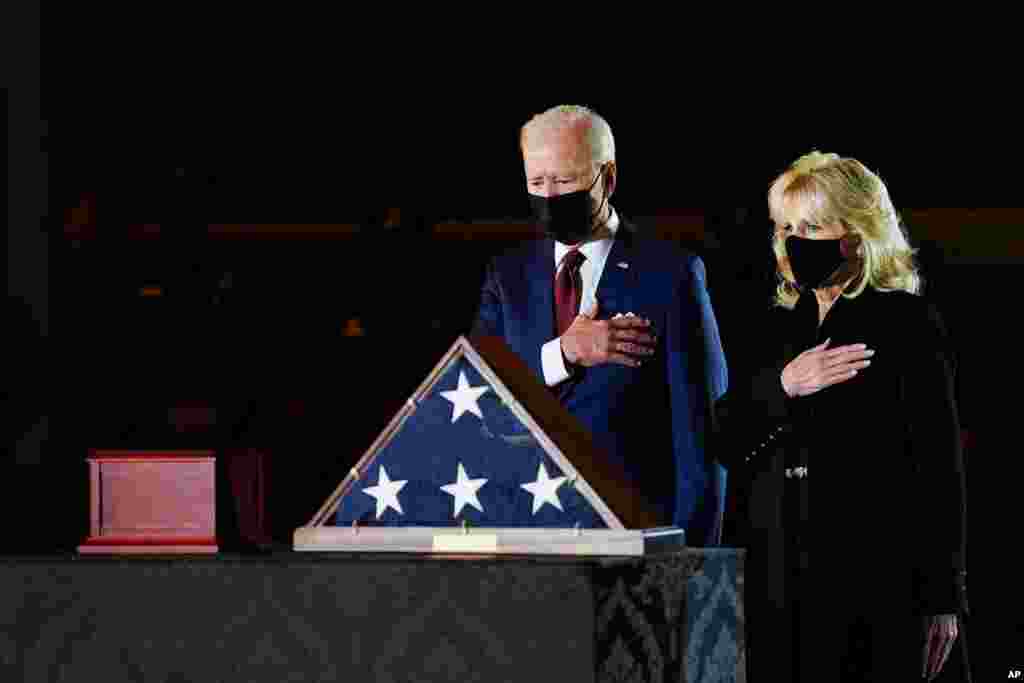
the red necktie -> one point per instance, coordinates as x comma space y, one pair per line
568, 290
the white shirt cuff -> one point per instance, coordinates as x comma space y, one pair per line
552, 363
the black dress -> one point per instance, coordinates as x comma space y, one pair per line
886, 525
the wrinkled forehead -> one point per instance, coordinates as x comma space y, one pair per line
556, 148
801, 202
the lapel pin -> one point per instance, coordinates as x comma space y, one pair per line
622, 264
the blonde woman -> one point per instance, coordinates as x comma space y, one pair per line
861, 384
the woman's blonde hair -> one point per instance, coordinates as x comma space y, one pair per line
826, 188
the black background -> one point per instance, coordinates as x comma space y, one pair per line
180, 121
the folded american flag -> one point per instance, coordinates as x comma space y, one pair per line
462, 455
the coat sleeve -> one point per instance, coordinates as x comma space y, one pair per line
697, 375
938, 496
750, 421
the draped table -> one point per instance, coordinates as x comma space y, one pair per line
283, 616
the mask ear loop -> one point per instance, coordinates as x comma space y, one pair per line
851, 246
604, 194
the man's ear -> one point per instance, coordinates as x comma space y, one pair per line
611, 177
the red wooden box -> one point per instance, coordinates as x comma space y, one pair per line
144, 502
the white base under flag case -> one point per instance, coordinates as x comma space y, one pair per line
484, 460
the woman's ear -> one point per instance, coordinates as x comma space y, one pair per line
849, 245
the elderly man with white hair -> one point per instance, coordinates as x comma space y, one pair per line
618, 324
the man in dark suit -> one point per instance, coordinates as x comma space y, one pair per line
620, 326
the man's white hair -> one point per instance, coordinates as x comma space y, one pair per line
598, 132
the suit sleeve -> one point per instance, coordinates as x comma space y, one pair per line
937, 499
697, 375
489, 316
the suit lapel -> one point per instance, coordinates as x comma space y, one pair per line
540, 312
615, 290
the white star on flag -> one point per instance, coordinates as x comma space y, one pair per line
544, 489
465, 397
386, 493
464, 489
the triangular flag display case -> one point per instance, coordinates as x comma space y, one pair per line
483, 459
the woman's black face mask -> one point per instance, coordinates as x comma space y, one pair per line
813, 261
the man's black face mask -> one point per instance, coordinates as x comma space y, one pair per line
567, 218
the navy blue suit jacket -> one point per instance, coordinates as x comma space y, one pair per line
650, 419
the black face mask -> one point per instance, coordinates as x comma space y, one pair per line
567, 218
813, 261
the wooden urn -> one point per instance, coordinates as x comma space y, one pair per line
151, 502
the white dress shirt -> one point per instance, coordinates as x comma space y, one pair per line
596, 253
